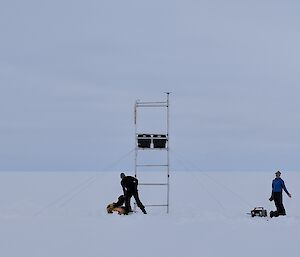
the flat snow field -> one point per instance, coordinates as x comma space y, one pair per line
63, 214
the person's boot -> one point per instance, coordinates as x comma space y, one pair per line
271, 214
128, 209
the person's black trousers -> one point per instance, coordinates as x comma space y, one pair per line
128, 196
278, 203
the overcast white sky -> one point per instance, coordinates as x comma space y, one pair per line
70, 72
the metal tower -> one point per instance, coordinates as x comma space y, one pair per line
147, 142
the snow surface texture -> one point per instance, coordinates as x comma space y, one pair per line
62, 214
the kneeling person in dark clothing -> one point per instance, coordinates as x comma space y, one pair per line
277, 186
117, 207
129, 185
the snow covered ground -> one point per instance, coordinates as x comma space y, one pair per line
62, 214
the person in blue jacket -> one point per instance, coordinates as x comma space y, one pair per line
277, 186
